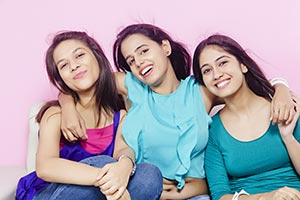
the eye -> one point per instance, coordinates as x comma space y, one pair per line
223, 63
143, 51
80, 55
205, 70
63, 65
130, 62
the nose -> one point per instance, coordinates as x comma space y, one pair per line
139, 61
74, 66
217, 73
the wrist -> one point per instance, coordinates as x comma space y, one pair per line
287, 139
279, 81
131, 161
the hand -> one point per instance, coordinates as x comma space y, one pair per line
282, 106
113, 178
124, 196
169, 188
72, 125
285, 193
286, 130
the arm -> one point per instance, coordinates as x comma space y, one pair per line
288, 136
121, 87
52, 168
192, 187
281, 193
282, 105
215, 169
72, 125
113, 178
209, 99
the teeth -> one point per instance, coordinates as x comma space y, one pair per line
222, 83
145, 70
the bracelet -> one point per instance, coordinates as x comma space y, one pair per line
237, 194
282, 81
133, 163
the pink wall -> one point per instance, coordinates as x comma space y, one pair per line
270, 29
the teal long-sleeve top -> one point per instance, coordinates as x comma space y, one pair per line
257, 166
169, 131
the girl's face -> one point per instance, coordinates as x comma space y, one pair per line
222, 73
77, 65
147, 59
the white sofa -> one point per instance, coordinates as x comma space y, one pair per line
11, 174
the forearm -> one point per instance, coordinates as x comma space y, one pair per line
293, 147
66, 101
60, 170
193, 187
260, 196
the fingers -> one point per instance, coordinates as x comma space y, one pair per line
282, 115
287, 193
69, 136
113, 193
73, 133
81, 130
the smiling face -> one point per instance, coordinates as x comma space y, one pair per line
147, 59
76, 64
222, 73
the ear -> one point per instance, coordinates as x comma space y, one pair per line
244, 68
166, 47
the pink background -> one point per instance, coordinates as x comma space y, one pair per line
269, 29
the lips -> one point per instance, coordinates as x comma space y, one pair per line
145, 71
79, 75
222, 84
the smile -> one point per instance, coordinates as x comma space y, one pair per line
222, 84
146, 70
79, 75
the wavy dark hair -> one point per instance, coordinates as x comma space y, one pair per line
255, 77
107, 98
179, 57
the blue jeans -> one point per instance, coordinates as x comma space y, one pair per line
145, 184
200, 197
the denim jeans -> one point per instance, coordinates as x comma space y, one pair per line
200, 197
145, 184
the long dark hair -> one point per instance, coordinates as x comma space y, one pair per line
107, 98
255, 78
180, 58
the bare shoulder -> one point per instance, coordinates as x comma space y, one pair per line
120, 82
53, 113
122, 114
207, 97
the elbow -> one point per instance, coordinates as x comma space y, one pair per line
42, 173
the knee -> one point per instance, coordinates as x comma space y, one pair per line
151, 171
150, 177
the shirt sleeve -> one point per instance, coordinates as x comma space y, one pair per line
135, 88
215, 170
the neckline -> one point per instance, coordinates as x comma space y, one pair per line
241, 141
158, 96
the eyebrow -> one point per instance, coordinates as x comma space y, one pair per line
136, 50
74, 51
219, 58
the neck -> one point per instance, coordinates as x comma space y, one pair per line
86, 100
244, 101
168, 84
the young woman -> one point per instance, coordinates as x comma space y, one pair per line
76, 65
167, 123
246, 154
